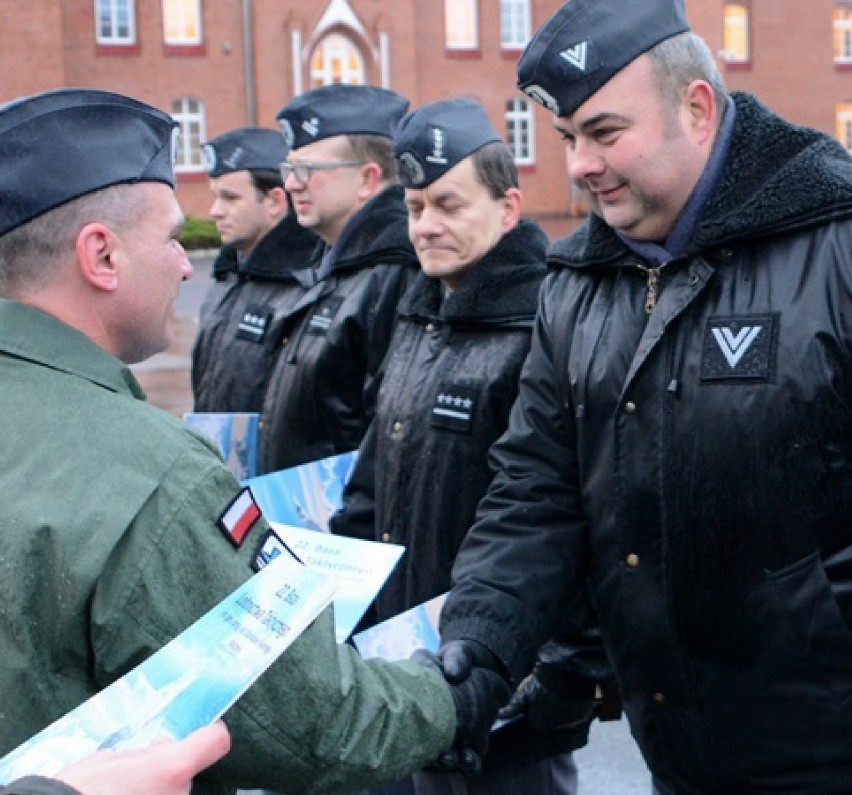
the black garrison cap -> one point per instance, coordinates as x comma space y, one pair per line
60, 145
245, 149
436, 137
586, 42
341, 110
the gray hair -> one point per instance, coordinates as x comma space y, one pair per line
31, 254
679, 60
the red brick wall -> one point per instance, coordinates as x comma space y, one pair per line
50, 43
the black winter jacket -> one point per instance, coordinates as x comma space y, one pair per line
237, 340
696, 465
323, 387
451, 376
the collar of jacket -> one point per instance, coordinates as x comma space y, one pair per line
779, 177
376, 234
28, 333
285, 248
503, 286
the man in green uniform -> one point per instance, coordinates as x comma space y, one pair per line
117, 521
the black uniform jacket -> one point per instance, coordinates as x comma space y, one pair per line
696, 464
451, 376
237, 342
323, 387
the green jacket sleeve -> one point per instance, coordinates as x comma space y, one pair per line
321, 719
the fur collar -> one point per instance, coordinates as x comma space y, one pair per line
285, 248
502, 286
376, 234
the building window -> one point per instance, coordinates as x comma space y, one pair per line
461, 26
842, 36
514, 24
182, 22
115, 22
189, 114
736, 34
519, 131
844, 124
336, 60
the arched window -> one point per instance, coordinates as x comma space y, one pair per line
736, 34
189, 114
336, 60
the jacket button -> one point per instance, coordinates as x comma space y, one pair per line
632, 560
285, 340
659, 698
386, 537
430, 327
630, 407
397, 426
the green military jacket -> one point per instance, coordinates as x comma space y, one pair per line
109, 547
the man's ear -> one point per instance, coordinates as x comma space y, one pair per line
511, 210
278, 205
98, 251
700, 106
371, 180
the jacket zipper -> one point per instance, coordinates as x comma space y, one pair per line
653, 285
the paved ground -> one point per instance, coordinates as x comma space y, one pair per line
609, 765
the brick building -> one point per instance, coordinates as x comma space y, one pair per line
218, 64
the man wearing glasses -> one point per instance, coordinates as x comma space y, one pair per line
342, 177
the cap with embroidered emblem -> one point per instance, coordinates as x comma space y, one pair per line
59, 145
436, 137
587, 42
245, 149
341, 109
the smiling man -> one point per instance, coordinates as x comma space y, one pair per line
682, 437
260, 273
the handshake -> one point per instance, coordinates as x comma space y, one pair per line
479, 685
481, 692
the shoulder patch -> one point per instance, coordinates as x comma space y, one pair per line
239, 517
270, 547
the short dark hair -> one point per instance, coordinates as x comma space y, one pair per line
265, 180
495, 168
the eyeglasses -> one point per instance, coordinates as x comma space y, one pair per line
302, 171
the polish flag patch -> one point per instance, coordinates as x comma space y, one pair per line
239, 517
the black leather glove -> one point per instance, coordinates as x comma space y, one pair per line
552, 708
478, 688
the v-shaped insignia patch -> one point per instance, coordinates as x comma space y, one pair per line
740, 348
576, 55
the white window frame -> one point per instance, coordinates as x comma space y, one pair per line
113, 9
336, 47
183, 10
843, 30
190, 115
515, 24
520, 130
461, 24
